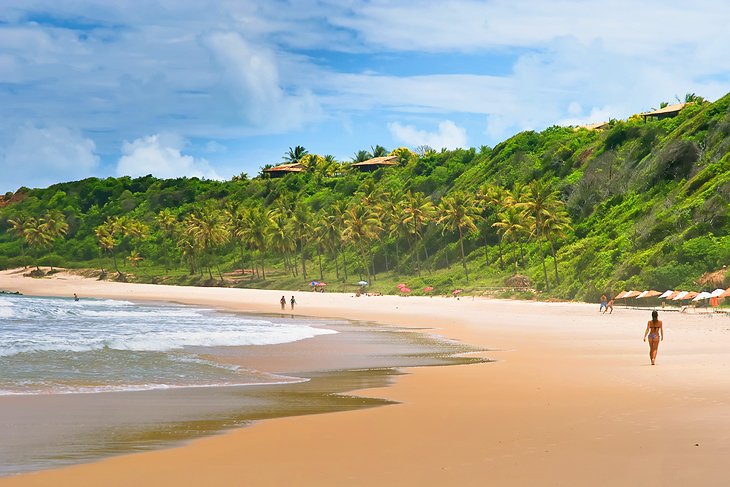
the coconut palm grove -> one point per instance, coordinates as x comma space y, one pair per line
569, 212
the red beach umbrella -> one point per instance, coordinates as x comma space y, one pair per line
427, 289
400, 285
321, 284
405, 290
456, 292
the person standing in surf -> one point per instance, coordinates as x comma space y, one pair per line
293, 302
282, 301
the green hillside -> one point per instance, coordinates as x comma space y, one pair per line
639, 204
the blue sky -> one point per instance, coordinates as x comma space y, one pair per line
213, 89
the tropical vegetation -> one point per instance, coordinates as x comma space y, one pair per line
579, 213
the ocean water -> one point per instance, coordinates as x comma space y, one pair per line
62, 346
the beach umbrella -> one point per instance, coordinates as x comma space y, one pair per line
666, 294
690, 295
313, 283
456, 292
620, 295
680, 295
631, 294
321, 284
427, 289
701, 296
726, 294
404, 289
717, 293
400, 285
362, 283
648, 294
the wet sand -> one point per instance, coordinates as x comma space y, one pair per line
570, 400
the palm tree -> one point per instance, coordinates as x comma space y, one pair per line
556, 226
319, 228
37, 235
419, 211
207, 227
18, 226
458, 213
280, 238
167, 224
237, 222
378, 151
509, 227
329, 232
299, 224
257, 233
294, 156
339, 211
541, 203
134, 258
361, 156
361, 228
107, 235
495, 199
390, 207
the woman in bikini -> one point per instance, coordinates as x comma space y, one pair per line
655, 333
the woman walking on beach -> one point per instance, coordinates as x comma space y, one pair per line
655, 332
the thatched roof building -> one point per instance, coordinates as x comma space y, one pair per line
283, 170
594, 126
376, 163
666, 112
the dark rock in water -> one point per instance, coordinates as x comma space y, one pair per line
15, 293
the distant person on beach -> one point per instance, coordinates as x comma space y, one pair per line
283, 302
609, 306
76, 297
655, 333
293, 302
604, 303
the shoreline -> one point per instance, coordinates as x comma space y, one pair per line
570, 395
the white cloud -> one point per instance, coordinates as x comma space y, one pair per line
252, 81
448, 136
161, 156
38, 157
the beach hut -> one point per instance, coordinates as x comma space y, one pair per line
666, 112
284, 169
376, 163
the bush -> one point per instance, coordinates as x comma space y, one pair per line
669, 276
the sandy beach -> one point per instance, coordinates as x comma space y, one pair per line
570, 399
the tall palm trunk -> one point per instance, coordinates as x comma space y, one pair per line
319, 257
501, 262
555, 261
544, 267
240, 250
337, 264
463, 257
304, 266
